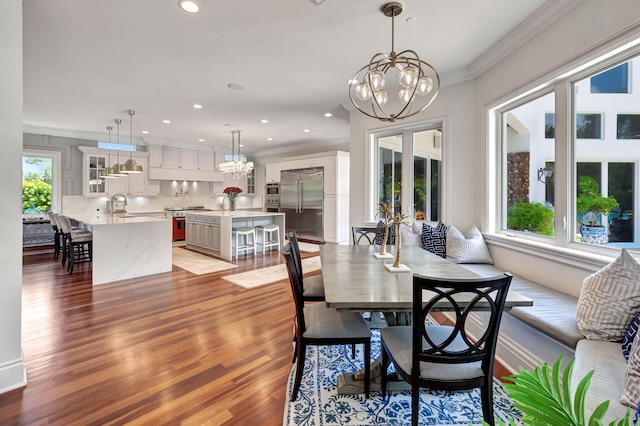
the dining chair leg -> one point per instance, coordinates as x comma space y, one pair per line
353, 350
302, 352
415, 404
486, 396
367, 369
384, 367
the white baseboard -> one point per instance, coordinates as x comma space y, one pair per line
13, 375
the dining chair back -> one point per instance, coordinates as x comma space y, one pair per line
316, 324
444, 357
363, 235
56, 234
312, 287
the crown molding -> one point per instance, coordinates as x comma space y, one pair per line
75, 134
540, 20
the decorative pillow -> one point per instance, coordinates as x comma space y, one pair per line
380, 237
631, 394
467, 249
435, 239
609, 299
629, 336
409, 235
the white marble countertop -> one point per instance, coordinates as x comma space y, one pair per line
240, 214
108, 219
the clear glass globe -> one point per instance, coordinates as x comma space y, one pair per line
376, 79
381, 97
406, 95
425, 85
409, 76
363, 91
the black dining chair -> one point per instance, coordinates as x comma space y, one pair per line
313, 286
316, 324
364, 235
442, 357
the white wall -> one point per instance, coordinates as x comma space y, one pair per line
12, 370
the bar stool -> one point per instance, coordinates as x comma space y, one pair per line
268, 239
248, 244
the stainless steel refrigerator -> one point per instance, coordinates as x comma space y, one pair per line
301, 200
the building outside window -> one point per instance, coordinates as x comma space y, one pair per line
599, 132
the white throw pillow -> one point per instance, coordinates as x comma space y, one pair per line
467, 249
610, 299
409, 235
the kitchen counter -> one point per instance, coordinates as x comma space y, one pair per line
218, 226
126, 246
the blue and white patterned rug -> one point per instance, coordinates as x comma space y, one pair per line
319, 404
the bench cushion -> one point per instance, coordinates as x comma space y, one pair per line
553, 312
607, 382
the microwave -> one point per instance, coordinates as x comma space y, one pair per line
273, 189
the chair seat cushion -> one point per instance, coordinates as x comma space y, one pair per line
313, 286
327, 323
398, 341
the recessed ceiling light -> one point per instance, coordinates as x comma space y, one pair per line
190, 6
269, 139
328, 114
200, 140
166, 121
197, 106
264, 121
145, 132
307, 130
235, 86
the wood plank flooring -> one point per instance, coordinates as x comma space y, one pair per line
173, 348
169, 349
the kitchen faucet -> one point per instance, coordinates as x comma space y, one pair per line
118, 203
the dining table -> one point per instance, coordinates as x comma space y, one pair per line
355, 280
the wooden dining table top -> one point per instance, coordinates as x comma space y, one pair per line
355, 280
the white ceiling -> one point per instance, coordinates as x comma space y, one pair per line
87, 61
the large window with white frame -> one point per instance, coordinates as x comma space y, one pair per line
408, 171
591, 120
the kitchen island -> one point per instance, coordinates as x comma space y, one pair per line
126, 246
211, 232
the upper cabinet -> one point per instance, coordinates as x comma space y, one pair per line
96, 160
175, 163
272, 173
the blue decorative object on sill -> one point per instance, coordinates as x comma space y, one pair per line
594, 234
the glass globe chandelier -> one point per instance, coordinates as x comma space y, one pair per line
237, 166
416, 81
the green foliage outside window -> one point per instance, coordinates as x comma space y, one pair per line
36, 194
531, 217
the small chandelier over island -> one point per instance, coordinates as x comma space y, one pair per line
238, 166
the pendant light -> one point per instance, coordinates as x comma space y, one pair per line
104, 174
116, 169
131, 165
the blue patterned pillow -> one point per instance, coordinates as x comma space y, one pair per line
380, 237
630, 336
435, 239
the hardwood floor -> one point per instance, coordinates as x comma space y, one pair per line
173, 348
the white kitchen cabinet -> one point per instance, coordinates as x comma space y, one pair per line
93, 165
203, 232
289, 164
336, 219
272, 172
206, 160
336, 174
155, 156
179, 158
311, 162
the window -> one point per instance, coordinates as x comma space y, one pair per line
413, 156
40, 183
628, 126
615, 80
589, 126
599, 196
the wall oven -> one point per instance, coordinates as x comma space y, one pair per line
272, 198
